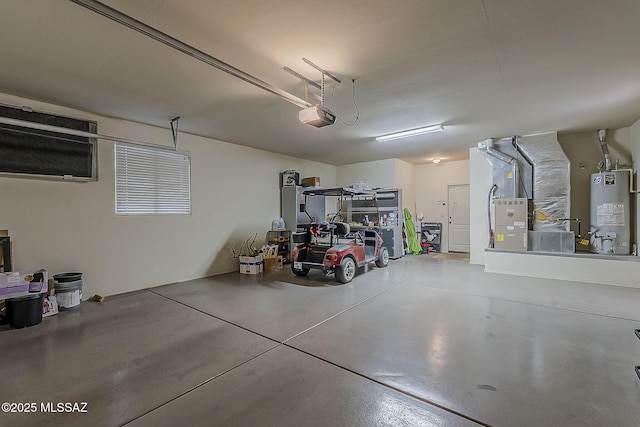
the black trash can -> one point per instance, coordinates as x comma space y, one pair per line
25, 311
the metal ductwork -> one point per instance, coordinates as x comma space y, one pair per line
551, 179
505, 170
533, 167
602, 135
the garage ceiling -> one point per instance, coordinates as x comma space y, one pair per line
480, 67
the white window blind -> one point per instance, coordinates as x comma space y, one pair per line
152, 181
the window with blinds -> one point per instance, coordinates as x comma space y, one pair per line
152, 181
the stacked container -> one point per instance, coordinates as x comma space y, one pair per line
68, 287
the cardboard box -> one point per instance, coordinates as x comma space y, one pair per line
49, 306
312, 181
251, 264
20, 283
273, 263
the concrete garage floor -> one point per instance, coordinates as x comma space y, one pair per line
424, 342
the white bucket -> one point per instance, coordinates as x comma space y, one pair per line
68, 294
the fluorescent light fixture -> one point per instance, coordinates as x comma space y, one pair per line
411, 132
436, 160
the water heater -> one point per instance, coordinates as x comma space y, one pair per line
610, 213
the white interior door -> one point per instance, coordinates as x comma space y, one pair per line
459, 218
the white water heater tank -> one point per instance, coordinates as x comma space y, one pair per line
610, 213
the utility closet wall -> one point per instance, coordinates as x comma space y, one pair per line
432, 184
63, 226
584, 151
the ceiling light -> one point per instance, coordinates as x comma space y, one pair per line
411, 132
436, 160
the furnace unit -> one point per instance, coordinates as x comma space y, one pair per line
511, 219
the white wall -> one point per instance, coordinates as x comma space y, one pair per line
64, 226
432, 188
406, 180
614, 271
389, 173
480, 184
379, 173
635, 154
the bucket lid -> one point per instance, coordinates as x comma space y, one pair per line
67, 277
25, 297
67, 286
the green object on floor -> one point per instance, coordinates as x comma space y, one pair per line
414, 245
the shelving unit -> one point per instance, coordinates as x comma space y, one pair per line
283, 239
381, 209
391, 221
359, 209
